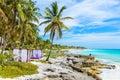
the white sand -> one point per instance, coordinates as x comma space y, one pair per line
111, 74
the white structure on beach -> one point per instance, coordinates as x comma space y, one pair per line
24, 55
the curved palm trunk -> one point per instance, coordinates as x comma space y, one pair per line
20, 51
50, 51
27, 60
1, 42
3, 47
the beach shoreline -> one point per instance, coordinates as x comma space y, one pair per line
107, 74
80, 65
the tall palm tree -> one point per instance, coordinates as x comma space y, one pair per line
55, 25
11, 8
22, 17
28, 30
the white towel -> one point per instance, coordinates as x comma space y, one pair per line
24, 55
16, 52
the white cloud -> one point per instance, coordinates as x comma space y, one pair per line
96, 11
86, 12
46, 3
92, 11
92, 40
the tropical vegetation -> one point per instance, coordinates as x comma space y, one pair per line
19, 28
18, 23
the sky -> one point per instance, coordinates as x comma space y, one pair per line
96, 23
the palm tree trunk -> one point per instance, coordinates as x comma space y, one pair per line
47, 59
3, 48
1, 42
20, 51
27, 60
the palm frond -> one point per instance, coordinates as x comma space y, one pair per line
66, 18
52, 33
47, 17
54, 8
35, 18
61, 10
48, 28
59, 31
20, 11
3, 14
45, 22
63, 26
49, 12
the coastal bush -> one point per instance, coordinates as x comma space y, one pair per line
10, 71
27, 66
12, 63
46, 51
5, 57
2, 59
55, 55
0, 67
15, 69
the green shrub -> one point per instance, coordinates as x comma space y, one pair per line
2, 59
15, 69
5, 57
10, 71
0, 68
54, 55
27, 66
12, 63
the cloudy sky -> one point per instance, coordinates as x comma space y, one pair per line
96, 23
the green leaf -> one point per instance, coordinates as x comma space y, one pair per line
20, 12
61, 10
66, 18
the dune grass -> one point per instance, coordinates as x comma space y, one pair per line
16, 69
54, 55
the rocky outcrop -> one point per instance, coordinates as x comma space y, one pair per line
53, 72
78, 63
71, 67
86, 64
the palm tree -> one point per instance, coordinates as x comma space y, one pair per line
55, 25
12, 9
22, 16
28, 30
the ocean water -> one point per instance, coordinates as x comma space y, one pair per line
107, 56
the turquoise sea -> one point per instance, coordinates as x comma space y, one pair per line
107, 56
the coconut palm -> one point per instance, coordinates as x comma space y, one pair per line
12, 9
28, 30
21, 16
54, 20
